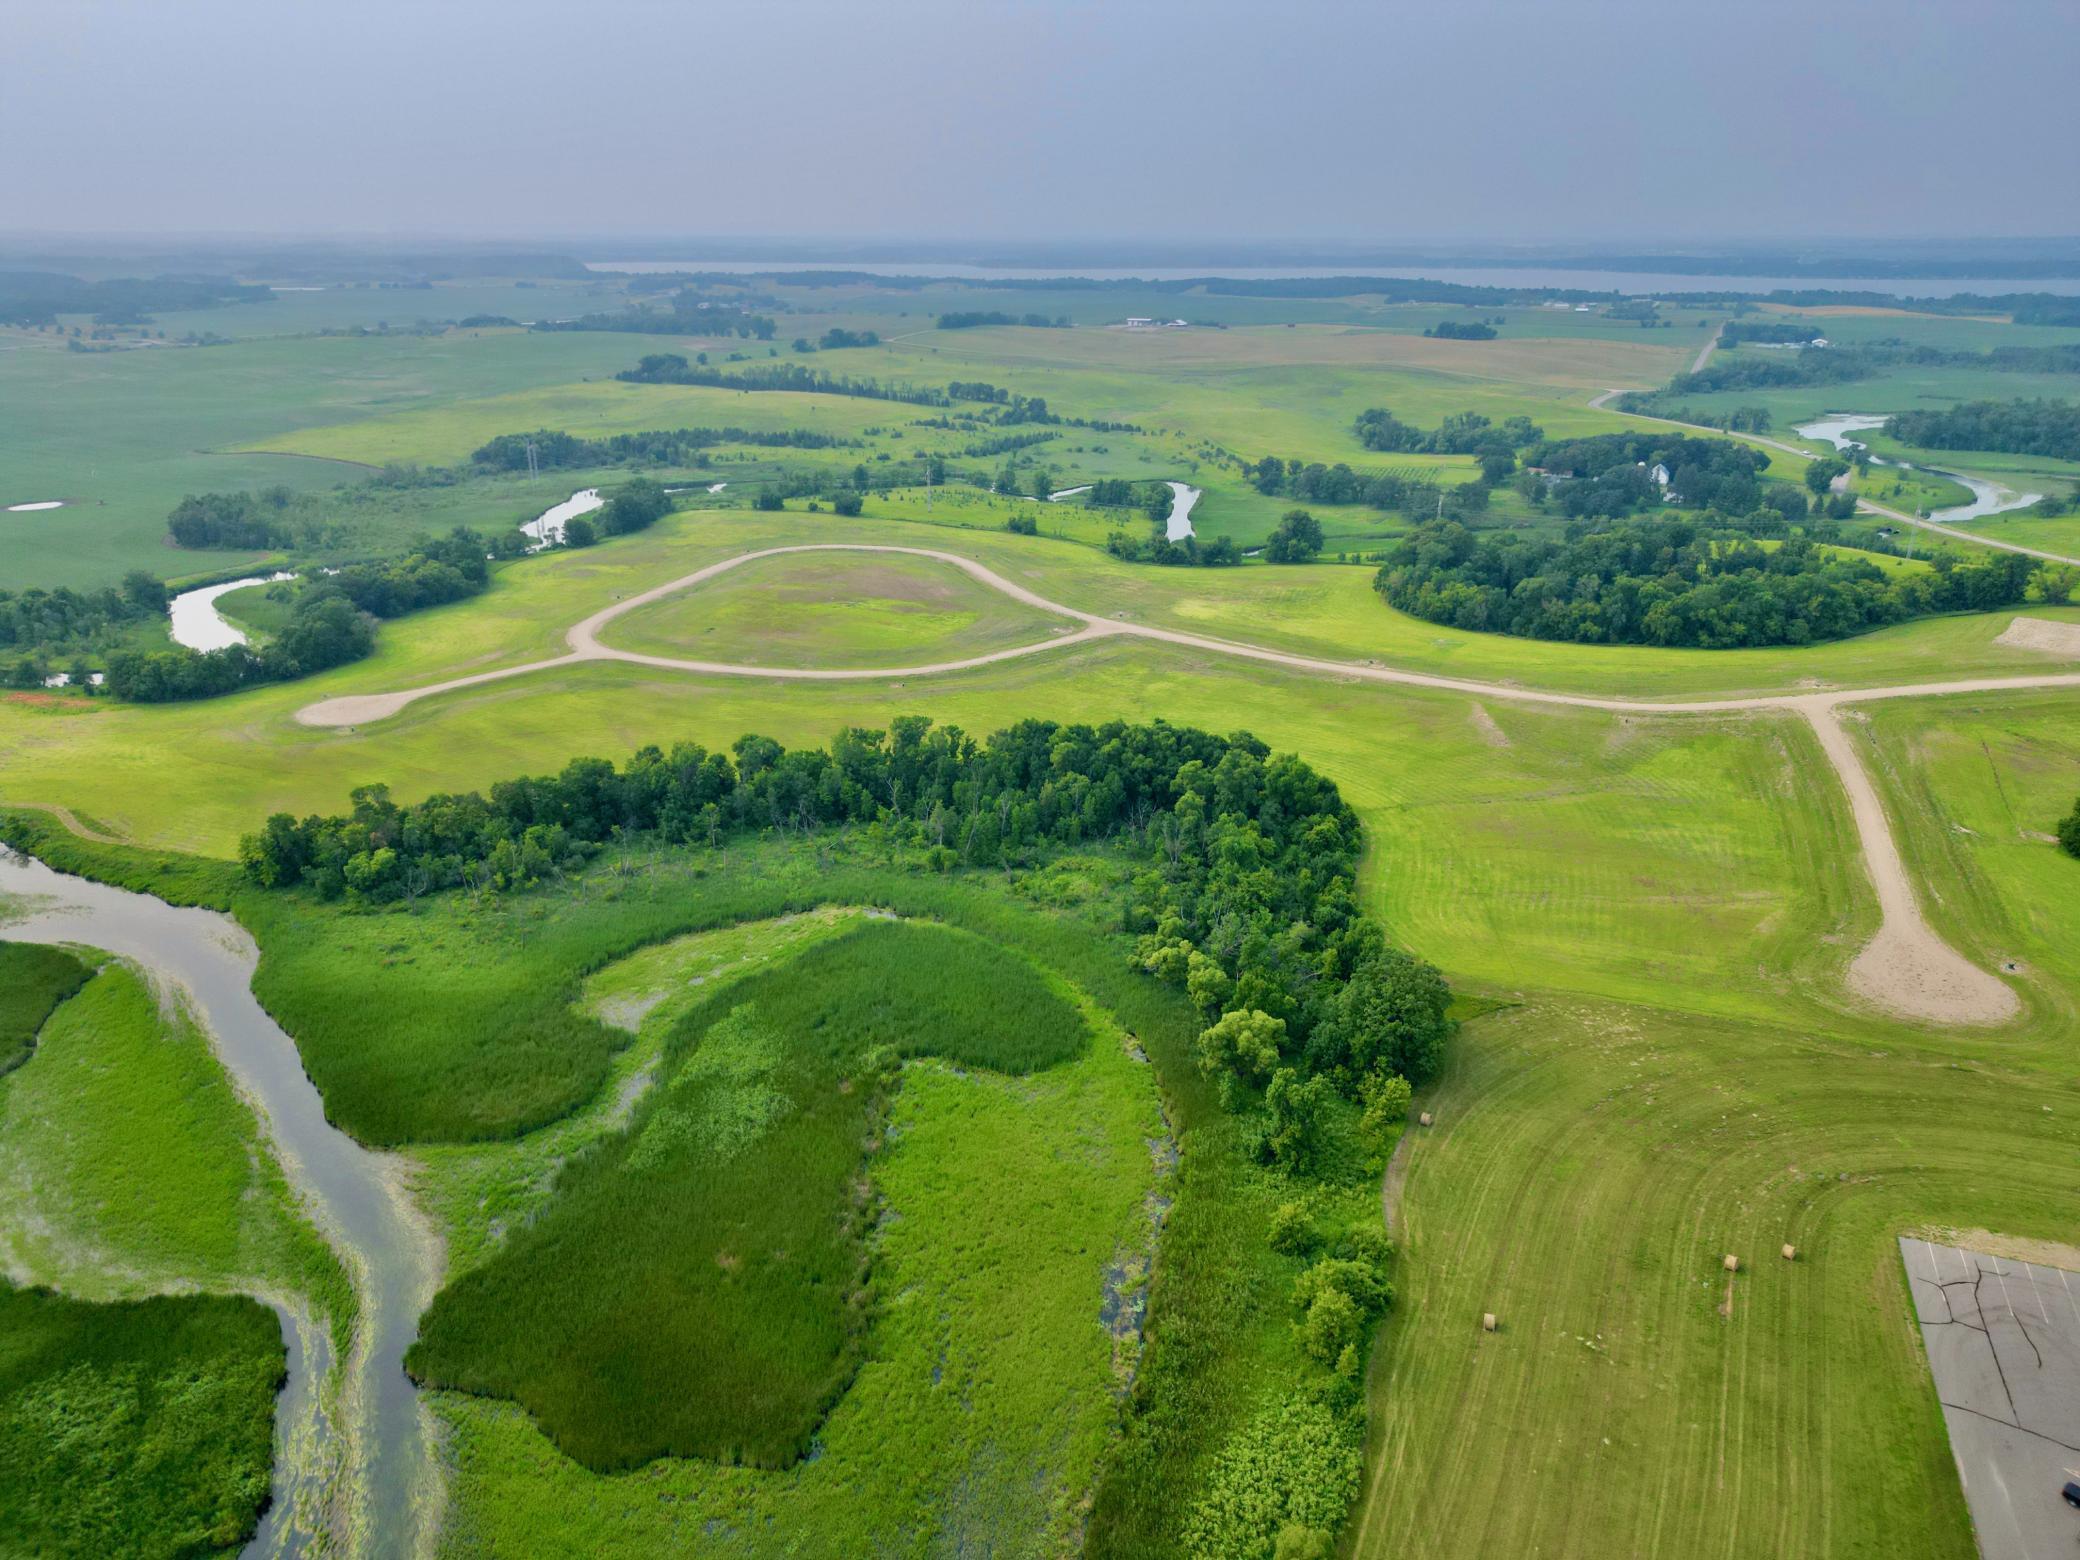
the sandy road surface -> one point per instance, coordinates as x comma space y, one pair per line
1906, 967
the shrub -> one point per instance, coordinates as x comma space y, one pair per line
1297, 1463
2069, 832
1292, 1230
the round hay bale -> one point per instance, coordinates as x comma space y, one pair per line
1732, 1264
1790, 1252
1487, 1321
1424, 1119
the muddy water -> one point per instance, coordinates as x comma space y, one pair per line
351, 1464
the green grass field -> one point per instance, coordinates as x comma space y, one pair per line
34, 979
834, 609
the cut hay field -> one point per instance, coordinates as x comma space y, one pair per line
833, 609
1591, 1166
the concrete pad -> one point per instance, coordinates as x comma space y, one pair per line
2003, 1340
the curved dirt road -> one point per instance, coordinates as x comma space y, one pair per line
1905, 968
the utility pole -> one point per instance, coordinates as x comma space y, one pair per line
533, 469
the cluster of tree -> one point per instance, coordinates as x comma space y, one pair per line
484, 321
835, 339
1187, 553
51, 621
1297, 538
681, 316
1245, 896
1462, 330
977, 390
323, 630
1006, 443
636, 507
1668, 582
554, 449
232, 520
1613, 474
331, 623
1461, 433
968, 319
1769, 332
2069, 832
1316, 483
37, 298
2019, 427
671, 368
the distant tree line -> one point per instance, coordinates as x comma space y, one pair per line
1314, 483
671, 368
43, 627
968, 319
1671, 582
2019, 427
555, 450
683, 315
1461, 330
1736, 371
331, 623
37, 298
1770, 332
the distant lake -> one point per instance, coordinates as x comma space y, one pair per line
1628, 282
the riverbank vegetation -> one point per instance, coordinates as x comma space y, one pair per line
34, 979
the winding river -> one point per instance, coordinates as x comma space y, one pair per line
1988, 498
353, 1469
193, 620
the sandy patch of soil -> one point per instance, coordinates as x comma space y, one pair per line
2028, 633
1907, 969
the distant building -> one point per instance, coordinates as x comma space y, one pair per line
1659, 474
1139, 322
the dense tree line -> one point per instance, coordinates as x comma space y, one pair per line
232, 520
1461, 330
554, 449
1671, 582
1314, 483
836, 339
2019, 427
1843, 365
1245, 895
968, 319
331, 623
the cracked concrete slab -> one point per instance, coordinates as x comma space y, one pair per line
2003, 1340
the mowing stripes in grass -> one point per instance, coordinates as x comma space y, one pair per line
699, 1286
34, 979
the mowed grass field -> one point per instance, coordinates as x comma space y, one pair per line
1590, 1167
836, 610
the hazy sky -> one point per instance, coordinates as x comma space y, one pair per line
1290, 119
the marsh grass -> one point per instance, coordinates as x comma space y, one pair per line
34, 979
699, 1287
142, 1427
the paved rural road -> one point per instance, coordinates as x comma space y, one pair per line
1955, 533
1906, 967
